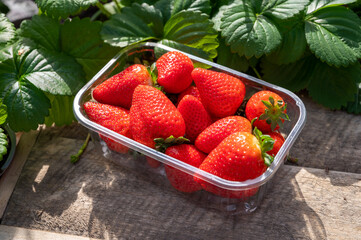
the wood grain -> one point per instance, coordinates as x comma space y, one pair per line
100, 199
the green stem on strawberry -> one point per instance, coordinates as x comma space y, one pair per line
162, 144
75, 158
266, 143
274, 113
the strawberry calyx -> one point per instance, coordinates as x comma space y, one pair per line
153, 71
266, 143
162, 144
274, 113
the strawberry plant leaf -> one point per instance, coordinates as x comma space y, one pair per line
355, 105
3, 112
294, 76
134, 24
81, 39
232, 60
43, 30
249, 32
61, 112
50, 72
63, 8
7, 31
341, 84
334, 35
194, 51
318, 4
281, 9
194, 29
203, 6
292, 47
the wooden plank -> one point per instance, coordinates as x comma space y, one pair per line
100, 199
11, 175
16, 233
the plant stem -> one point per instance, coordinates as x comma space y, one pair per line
118, 5
102, 8
75, 158
257, 73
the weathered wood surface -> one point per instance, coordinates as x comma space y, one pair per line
97, 198
330, 140
11, 233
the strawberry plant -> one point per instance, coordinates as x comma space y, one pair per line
298, 44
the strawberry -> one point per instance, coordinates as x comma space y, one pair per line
195, 116
192, 90
188, 154
152, 162
221, 93
268, 109
112, 117
219, 130
174, 71
278, 142
239, 157
153, 115
118, 90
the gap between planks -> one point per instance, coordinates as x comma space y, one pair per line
25, 143
18, 233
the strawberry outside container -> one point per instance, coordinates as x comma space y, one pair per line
252, 191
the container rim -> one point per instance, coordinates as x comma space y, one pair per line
217, 181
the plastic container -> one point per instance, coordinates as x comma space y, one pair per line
148, 53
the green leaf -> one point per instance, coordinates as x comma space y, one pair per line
292, 47
134, 24
165, 6
3, 8
81, 39
7, 31
43, 30
282, 9
63, 8
318, 4
249, 32
334, 35
355, 105
50, 72
27, 105
61, 112
294, 76
334, 87
203, 6
230, 59
3, 112
193, 29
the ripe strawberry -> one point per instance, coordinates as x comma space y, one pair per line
188, 154
195, 116
112, 117
221, 93
239, 157
153, 115
192, 90
278, 142
174, 71
118, 90
152, 162
269, 109
219, 130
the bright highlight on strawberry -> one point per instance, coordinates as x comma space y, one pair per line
202, 131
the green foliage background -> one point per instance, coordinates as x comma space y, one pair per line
298, 44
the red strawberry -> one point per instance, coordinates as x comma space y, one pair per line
192, 90
195, 116
239, 157
174, 71
219, 130
152, 162
278, 142
118, 90
221, 93
153, 115
112, 117
188, 154
269, 109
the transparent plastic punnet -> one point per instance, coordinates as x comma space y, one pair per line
252, 191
